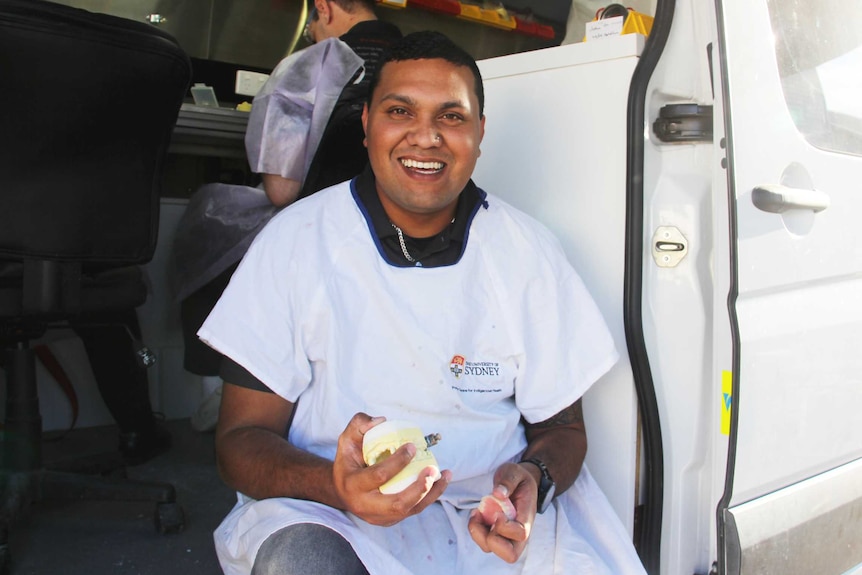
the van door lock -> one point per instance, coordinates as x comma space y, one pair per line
669, 246
684, 123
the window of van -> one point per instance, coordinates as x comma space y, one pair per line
818, 47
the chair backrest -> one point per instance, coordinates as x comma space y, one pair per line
87, 106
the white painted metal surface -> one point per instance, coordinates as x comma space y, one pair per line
800, 279
685, 318
794, 503
555, 147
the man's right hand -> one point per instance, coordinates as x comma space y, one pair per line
358, 485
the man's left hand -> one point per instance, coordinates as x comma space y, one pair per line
508, 538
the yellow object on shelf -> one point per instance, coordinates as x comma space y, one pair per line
634, 23
497, 17
469, 12
393, 3
244, 106
637, 23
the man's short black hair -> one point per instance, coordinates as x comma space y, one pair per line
350, 5
428, 45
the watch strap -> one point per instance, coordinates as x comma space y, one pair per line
546, 483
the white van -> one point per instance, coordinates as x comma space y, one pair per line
706, 183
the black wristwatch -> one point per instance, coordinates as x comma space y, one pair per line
546, 485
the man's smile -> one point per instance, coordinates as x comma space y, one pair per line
422, 167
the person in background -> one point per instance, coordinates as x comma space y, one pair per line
409, 293
304, 133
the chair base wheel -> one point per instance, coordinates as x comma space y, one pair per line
169, 518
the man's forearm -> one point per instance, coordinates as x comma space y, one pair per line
261, 464
560, 442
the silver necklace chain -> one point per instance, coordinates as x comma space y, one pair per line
404, 251
403, 245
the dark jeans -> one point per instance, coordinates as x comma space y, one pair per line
305, 549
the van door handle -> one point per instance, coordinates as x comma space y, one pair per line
777, 199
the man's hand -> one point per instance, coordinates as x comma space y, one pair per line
358, 485
507, 539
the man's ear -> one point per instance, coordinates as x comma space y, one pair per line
324, 10
481, 132
365, 123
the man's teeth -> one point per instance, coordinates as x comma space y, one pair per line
422, 165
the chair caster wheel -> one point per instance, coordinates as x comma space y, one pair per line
169, 518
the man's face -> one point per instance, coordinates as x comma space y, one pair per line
423, 131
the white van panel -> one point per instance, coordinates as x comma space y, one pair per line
814, 396
820, 513
685, 316
555, 147
799, 308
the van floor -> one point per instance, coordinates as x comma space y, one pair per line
98, 538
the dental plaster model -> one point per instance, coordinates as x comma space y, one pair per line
382, 440
490, 507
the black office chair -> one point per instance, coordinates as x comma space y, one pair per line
87, 106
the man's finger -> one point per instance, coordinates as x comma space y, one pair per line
431, 490
503, 548
478, 531
360, 423
384, 470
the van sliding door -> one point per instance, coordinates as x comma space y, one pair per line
792, 88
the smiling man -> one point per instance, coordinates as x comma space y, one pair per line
409, 293
423, 128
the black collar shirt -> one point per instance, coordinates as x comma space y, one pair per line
442, 249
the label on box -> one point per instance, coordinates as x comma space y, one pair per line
604, 28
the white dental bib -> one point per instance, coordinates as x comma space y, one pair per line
316, 314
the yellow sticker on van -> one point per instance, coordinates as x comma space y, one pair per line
726, 401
